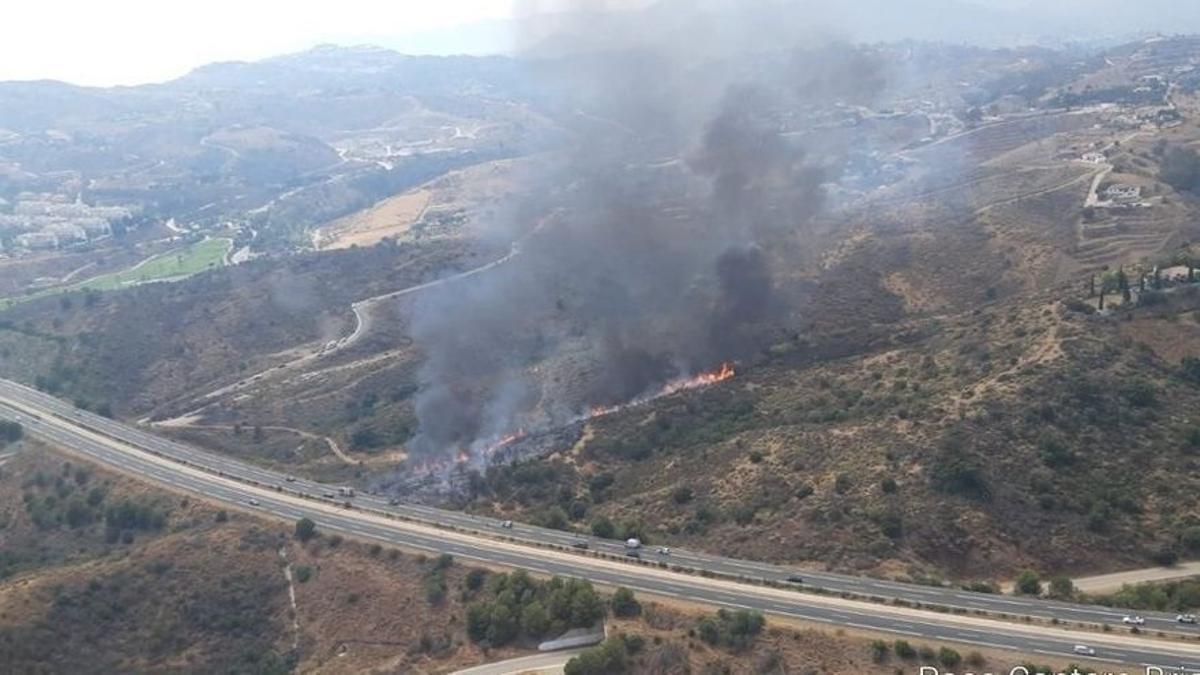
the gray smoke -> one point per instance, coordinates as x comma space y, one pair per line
652, 258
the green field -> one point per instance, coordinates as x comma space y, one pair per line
170, 266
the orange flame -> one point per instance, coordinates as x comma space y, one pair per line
602, 410
725, 372
504, 442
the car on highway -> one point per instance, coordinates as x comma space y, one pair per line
327, 495
252, 501
506, 524
582, 545
795, 578
1186, 618
290, 479
1133, 620
663, 550
1085, 650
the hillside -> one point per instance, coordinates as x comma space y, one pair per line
1006, 439
922, 379
179, 586
134, 351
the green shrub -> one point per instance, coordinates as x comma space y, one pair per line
957, 471
1189, 369
10, 432
1190, 538
949, 658
603, 527
1028, 583
1062, 588
624, 604
682, 494
609, 658
500, 617
306, 529
842, 483
732, 630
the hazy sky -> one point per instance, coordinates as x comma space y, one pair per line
104, 42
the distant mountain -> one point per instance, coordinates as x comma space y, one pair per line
319, 91
334, 128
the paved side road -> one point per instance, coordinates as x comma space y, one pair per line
1109, 583
539, 664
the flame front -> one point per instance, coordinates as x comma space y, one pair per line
464, 457
504, 442
725, 372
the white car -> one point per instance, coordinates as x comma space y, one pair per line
663, 550
252, 501
1134, 620
1085, 650
507, 524
1186, 618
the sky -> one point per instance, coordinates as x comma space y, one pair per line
108, 42
111, 42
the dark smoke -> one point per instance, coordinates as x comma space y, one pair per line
653, 259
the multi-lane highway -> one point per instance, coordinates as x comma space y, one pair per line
487, 541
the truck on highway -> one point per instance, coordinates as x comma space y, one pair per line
346, 491
633, 543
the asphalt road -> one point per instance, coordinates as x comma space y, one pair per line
132, 449
541, 664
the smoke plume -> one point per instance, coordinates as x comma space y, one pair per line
647, 250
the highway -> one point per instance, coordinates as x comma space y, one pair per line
480, 539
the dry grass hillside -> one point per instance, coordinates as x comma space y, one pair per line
184, 587
142, 350
198, 589
1007, 438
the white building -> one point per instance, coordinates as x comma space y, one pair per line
1123, 193
37, 241
67, 233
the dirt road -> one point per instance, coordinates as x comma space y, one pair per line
1109, 583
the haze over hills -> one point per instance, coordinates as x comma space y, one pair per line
991, 22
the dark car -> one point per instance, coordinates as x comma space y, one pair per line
579, 544
795, 579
